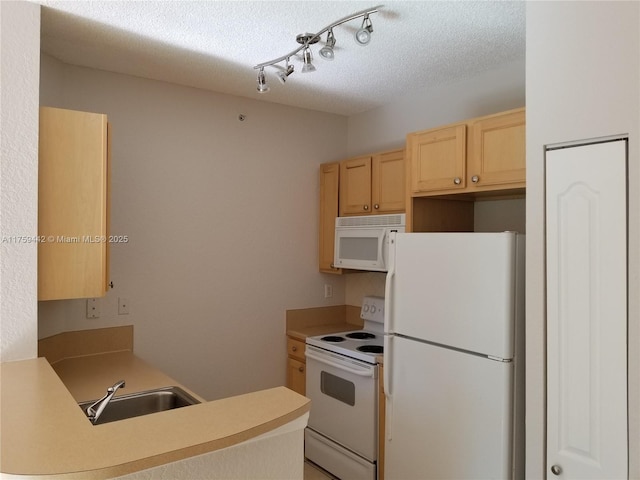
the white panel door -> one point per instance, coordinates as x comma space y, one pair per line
586, 212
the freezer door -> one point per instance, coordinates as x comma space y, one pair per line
448, 415
456, 289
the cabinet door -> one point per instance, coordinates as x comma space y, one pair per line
586, 221
296, 376
72, 204
497, 152
438, 159
387, 182
329, 184
355, 186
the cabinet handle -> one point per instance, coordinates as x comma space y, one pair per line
294, 348
376, 206
366, 207
457, 181
301, 369
556, 470
475, 179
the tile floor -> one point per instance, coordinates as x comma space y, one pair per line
313, 472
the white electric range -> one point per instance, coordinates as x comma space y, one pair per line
342, 383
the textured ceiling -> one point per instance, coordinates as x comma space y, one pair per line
214, 45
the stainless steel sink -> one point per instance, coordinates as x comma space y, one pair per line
142, 403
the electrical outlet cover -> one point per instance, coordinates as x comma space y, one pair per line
123, 306
93, 308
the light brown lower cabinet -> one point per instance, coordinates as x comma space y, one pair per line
296, 365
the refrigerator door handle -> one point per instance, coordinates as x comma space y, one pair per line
386, 376
386, 385
388, 294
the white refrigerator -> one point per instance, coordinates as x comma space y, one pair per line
454, 356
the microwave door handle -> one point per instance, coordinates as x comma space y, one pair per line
361, 373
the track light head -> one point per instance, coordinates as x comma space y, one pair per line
262, 82
363, 35
282, 76
326, 52
307, 58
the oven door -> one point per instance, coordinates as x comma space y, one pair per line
344, 398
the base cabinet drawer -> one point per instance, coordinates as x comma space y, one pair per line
296, 365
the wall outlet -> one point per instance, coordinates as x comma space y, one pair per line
93, 308
123, 306
328, 290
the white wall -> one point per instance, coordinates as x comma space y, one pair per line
583, 64
222, 220
19, 67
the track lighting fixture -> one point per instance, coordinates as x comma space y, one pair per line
326, 52
362, 36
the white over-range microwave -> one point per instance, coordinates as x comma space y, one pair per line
362, 243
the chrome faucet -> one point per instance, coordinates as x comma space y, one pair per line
96, 408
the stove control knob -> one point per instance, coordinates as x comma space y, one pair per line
365, 308
373, 309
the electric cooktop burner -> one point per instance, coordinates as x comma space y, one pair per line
332, 339
371, 349
364, 344
360, 335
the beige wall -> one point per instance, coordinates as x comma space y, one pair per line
19, 67
582, 82
222, 220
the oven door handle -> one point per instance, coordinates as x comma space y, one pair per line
361, 373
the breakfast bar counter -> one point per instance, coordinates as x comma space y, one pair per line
45, 433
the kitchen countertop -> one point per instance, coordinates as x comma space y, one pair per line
44, 432
303, 332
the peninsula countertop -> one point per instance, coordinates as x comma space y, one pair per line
44, 432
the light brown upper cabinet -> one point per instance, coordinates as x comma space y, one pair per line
438, 159
479, 155
73, 204
496, 157
329, 191
373, 184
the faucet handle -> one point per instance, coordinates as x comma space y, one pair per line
116, 386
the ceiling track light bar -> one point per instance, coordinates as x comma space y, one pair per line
307, 39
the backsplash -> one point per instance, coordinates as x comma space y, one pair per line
358, 285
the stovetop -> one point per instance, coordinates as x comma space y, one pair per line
363, 344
